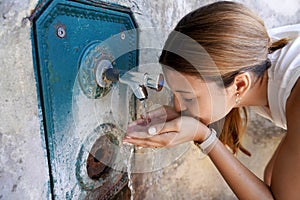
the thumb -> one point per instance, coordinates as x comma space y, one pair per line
171, 126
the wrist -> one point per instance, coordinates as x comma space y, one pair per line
202, 135
208, 143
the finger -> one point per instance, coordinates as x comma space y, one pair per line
158, 115
140, 121
158, 112
169, 139
143, 121
142, 142
137, 134
171, 126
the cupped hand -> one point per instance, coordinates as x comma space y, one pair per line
160, 132
162, 114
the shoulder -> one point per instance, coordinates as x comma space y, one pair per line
293, 109
285, 182
287, 58
291, 31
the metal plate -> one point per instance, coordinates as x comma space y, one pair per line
90, 74
62, 32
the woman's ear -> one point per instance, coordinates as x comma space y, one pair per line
242, 84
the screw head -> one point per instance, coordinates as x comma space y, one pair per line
123, 36
61, 32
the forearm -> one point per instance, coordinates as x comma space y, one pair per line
240, 179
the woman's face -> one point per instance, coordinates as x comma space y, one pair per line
194, 97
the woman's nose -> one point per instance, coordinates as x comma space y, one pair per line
179, 105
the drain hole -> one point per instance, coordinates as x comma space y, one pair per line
98, 154
101, 157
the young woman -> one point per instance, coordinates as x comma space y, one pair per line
245, 67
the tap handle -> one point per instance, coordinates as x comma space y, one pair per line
155, 83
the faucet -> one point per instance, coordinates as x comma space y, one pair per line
137, 81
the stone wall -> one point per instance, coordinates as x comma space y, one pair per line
23, 164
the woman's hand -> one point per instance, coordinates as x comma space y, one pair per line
161, 114
165, 128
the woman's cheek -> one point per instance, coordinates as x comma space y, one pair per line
205, 113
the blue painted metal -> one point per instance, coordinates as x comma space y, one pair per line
56, 58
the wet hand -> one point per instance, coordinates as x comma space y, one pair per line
161, 114
165, 134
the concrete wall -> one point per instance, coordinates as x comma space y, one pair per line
23, 165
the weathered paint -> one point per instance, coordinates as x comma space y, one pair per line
59, 55
25, 176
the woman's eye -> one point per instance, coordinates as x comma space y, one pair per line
188, 100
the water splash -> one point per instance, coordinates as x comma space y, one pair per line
129, 172
144, 110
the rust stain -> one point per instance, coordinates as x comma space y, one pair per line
33, 13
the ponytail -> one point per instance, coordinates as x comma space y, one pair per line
235, 124
233, 129
278, 45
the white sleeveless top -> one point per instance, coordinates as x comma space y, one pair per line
283, 74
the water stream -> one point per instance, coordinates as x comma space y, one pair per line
130, 163
144, 110
129, 172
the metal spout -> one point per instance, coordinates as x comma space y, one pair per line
140, 92
137, 81
155, 83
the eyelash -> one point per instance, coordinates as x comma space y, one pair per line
188, 100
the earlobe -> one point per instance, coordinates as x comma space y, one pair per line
238, 99
242, 84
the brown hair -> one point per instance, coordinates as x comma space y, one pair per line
236, 40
